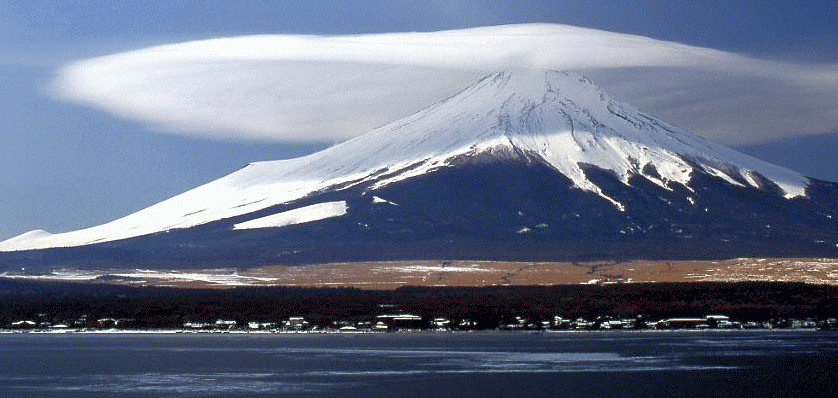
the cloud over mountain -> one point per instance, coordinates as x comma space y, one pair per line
330, 88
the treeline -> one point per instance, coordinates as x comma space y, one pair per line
152, 307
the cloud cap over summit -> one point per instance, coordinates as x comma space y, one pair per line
330, 88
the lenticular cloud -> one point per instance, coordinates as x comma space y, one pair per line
330, 88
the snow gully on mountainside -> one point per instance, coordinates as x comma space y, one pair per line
558, 118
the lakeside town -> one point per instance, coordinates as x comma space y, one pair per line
27, 306
408, 322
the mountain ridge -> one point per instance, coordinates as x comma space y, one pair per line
568, 130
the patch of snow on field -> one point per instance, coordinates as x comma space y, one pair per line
439, 268
218, 277
61, 275
221, 278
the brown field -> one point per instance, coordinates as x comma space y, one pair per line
391, 275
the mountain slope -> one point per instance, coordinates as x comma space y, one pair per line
526, 159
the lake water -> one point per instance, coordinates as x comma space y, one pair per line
634, 364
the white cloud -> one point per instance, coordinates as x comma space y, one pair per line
329, 88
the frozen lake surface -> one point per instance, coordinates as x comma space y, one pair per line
609, 364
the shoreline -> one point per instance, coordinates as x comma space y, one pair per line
409, 332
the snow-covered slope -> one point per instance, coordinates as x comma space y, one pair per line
558, 117
316, 212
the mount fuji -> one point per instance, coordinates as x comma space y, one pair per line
523, 165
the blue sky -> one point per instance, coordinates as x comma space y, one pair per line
50, 30
66, 166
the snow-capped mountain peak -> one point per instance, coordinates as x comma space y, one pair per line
558, 118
